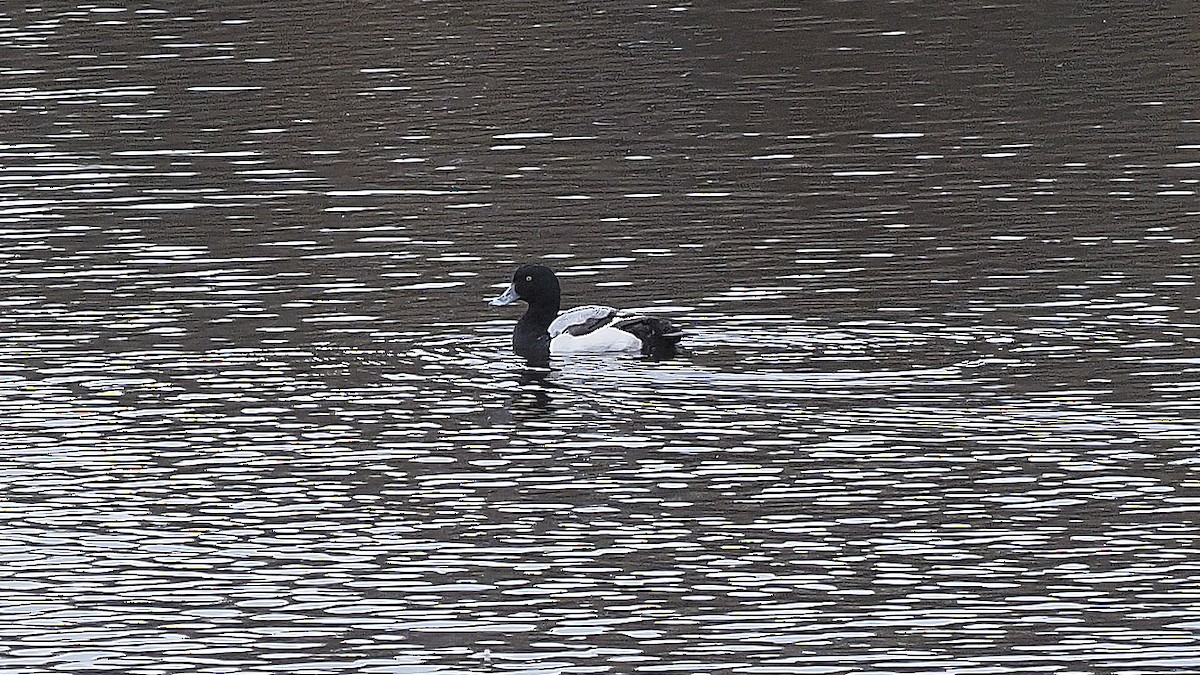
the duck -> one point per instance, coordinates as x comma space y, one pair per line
542, 331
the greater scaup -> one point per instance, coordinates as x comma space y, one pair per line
593, 328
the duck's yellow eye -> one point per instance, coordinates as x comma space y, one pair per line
529, 278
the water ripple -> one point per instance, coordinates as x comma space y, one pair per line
934, 410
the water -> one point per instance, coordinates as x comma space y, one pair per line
936, 414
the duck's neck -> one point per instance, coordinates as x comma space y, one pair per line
539, 316
531, 337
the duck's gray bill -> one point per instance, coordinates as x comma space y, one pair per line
508, 297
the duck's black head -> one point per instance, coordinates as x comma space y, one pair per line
536, 285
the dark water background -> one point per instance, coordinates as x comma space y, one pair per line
938, 411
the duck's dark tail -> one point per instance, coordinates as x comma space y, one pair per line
660, 338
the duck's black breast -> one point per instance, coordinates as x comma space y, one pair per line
530, 339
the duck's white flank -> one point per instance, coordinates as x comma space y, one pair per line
604, 339
572, 332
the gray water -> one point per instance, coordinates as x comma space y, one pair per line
937, 410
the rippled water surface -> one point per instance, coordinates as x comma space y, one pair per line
937, 410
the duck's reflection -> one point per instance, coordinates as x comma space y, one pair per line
532, 398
